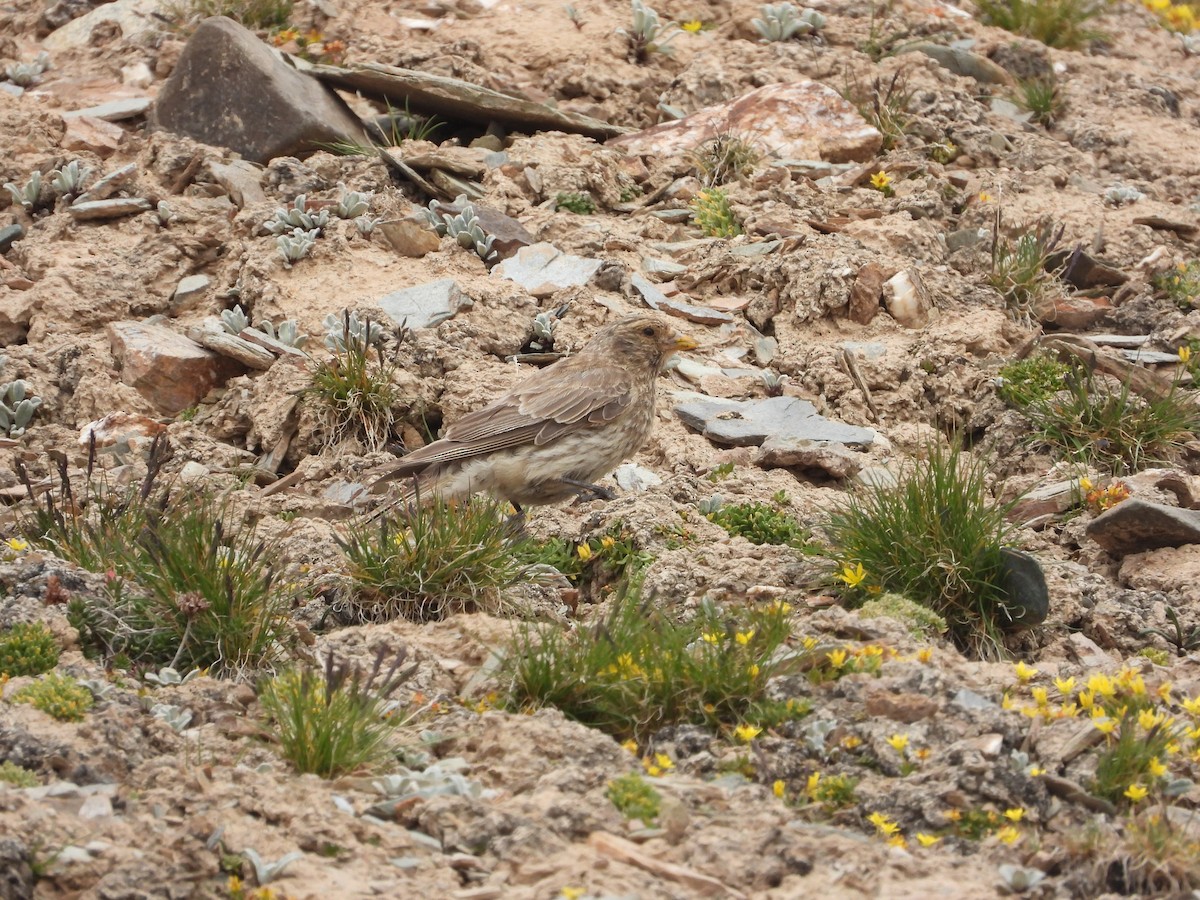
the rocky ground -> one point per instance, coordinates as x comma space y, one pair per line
874, 306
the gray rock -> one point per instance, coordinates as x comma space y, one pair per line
8, 234
962, 62
758, 248
114, 110
14, 90
453, 98
216, 339
965, 237
1136, 525
664, 269
97, 806
189, 290
1151, 357
1024, 585
232, 90
1126, 341
635, 478
657, 300
748, 423
835, 460
409, 237
543, 269
108, 185
425, 305
967, 699
135, 18
16, 874
241, 180
168, 369
93, 210
877, 477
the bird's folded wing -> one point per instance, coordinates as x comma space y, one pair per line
535, 413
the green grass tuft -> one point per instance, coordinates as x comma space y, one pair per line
60, 696
1056, 23
28, 648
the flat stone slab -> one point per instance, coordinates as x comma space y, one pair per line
455, 99
190, 288
803, 120
657, 300
108, 185
1135, 525
426, 304
113, 110
232, 90
543, 269
749, 423
92, 210
834, 459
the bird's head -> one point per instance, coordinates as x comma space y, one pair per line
642, 340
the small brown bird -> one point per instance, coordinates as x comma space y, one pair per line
554, 434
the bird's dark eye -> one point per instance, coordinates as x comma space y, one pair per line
648, 331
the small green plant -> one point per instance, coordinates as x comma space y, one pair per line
18, 403
296, 244
639, 670
759, 523
720, 472
713, 214
254, 14
297, 218
935, 538
355, 387
646, 34
1019, 267
30, 73
444, 557
635, 798
60, 696
11, 773
27, 194
884, 103
833, 792
581, 204
725, 158
28, 648
1035, 378
1056, 23
338, 721
1042, 99
1095, 420
1181, 284
921, 621
1182, 640
463, 226
69, 179
1133, 755
782, 22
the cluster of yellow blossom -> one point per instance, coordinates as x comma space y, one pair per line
1102, 498
1179, 17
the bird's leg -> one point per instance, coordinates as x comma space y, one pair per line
583, 488
515, 524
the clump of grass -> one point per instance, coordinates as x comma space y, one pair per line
11, 773
936, 538
1181, 284
1056, 23
355, 387
713, 214
1019, 270
60, 696
337, 721
760, 523
1157, 858
579, 203
1097, 421
613, 556
1041, 98
833, 792
443, 557
28, 648
921, 621
635, 798
639, 670
725, 158
1133, 757
262, 14
1035, 378
884, 103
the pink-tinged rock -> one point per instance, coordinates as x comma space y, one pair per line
89, 133
799, 120
121, 428
1075, 313
168, 369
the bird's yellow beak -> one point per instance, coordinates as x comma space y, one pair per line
685, 342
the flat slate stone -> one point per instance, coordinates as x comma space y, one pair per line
425, 305
232, 90
543, 269
108, 209
113, 110
749, 423
108, 185
190, 288
1135, 525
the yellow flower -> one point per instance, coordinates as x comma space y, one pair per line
1172, 748
746, 733
1102, 685
572, 893
985, 197
1086, 699
1008, 834
1024, 672
883, 824
744, 637
608, 542
1085, 484
753, 670
778, 788
837, 658
17, 544
1104, 724
880, 180
1148, 719
852, 575
1014, 815
1164, 692
897, 841
923, 754
1192, 706
584, 551
810, 787
1136, 792
851, 741
898, 742
631, 746
1041, 696
953, 815
1185, 354
779, 608
1006, 702
1156, 768
926, 840
1064, 685
664, 762
711, 637
925, 654
1035, 771
694, 26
